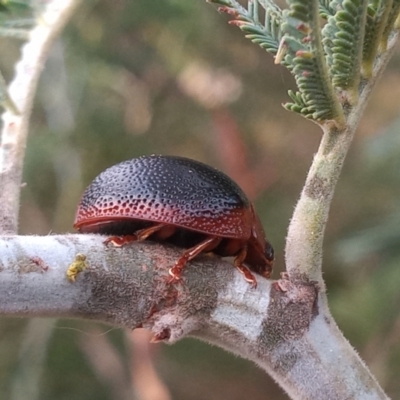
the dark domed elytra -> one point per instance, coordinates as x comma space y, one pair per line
170, 190
179, 200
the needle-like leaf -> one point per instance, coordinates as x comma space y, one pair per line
343, 45
377, 18
309, 64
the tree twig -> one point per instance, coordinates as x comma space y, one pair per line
282, 325
22, 89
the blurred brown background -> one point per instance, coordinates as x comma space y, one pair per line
171, 76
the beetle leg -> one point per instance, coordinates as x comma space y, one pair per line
119, 241
206, 245
248, 276
142, 234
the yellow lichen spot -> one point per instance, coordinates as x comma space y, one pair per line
76, 267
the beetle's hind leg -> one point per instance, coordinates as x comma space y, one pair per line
238, 263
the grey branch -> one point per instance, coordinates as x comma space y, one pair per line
284, 326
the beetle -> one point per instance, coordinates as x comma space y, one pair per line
180, 201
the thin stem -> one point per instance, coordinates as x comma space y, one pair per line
22, 89
306, 229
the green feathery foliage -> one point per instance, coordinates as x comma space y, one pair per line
327, 61
394, 12
267, 34
309, 65
325, 8
377, 18
343, 45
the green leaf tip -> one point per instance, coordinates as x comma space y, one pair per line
266, 34
325, 8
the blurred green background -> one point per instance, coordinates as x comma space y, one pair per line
133, 77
